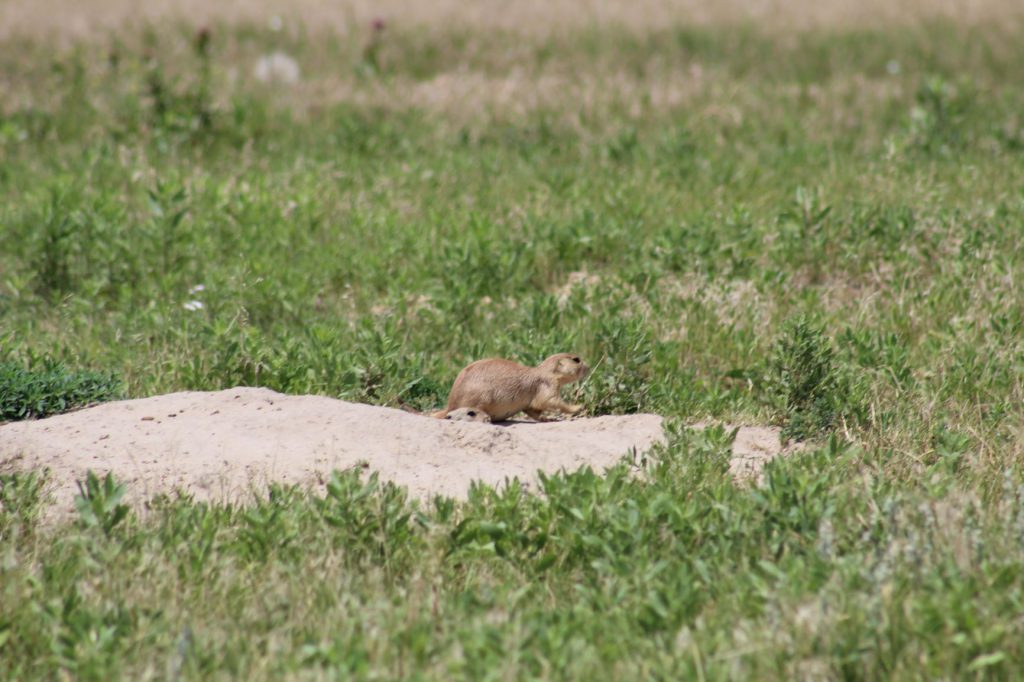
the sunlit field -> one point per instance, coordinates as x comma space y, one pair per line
798, 214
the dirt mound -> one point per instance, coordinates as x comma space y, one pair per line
222, 445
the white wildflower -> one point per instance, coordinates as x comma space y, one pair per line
193, 306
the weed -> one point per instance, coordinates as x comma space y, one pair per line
99, 503
168, 205
48, 387
178, 111
54, 247
937, 119
804, 383
804, 231
21, 499
371, 520
621, 380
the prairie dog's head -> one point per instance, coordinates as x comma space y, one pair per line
469, 414
568, 367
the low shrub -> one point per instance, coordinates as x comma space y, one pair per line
52, 388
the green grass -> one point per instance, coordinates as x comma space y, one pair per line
830, 569
818, 230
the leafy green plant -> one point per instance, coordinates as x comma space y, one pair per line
179, 108
192, 531
49, 388
804, 228
84, 639
99, 503
54, 246
371, 520
950, 448
937, 121
620, 381
804, 383
270, 527
21, 498
168, 206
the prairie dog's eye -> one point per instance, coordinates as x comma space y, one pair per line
471, 413
576, 360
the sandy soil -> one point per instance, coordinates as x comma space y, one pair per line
225, 445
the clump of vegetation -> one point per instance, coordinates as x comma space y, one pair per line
621, 382
99, 503
49, 387
184, 110
937, 118
804, 382
21, 498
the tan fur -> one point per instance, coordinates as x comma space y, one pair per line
502, 388
468, 414
463, 414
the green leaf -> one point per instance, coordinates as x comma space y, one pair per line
987, 660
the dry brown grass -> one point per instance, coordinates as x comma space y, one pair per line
486, 56
68, 20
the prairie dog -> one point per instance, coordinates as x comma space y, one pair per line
502, 388
468, 414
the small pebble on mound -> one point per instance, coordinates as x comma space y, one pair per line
222, 445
